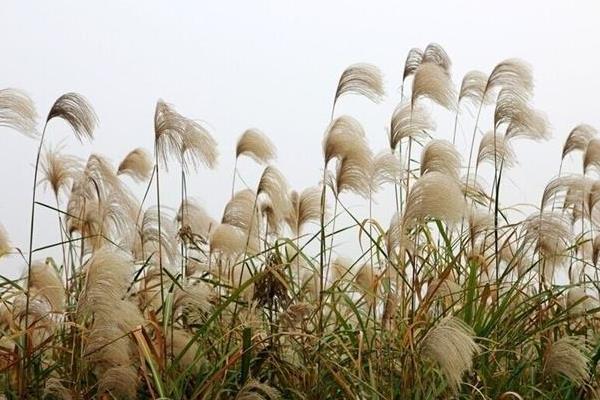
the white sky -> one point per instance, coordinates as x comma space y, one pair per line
274, 66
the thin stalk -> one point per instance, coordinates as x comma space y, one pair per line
25, 348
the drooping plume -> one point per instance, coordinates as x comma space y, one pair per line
440, 156
413, 60
76, 111
305, 208
435, 54
59, 170
495, 148
193, 216
5, 245
578, 138
434, 195
591, 156
432, 82
473, 88
257, 146
450, 344
409, 121
386, 168
362, 79
568, 356
17, 112
137, 164
345, 137
197, 146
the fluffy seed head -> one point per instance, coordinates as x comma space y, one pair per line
257, 146
450, 344
76, 111
578, 139
431, 81
362, 79
409, 120
440, 156
568, 356
137, 164
17, 112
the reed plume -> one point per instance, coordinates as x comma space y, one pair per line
434, 195
450, 344
256, 145
409, 121
59, 170
76, 111
137, 164
568, 356
578, 139
5, 246
435, 54
440, 156
432, 82
197, 146
305, 208
361, 79
412, 62
17, 112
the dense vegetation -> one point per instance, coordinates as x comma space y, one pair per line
454, 297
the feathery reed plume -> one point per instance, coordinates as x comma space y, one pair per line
519, 118
367, 281
113, 316
409, 121
137, 164
578, 302
305, 208
480, 221
274, 185
195, 217
473, 88
5, 246
149, 237
241, 210
450, 344
17, 112
511, 73
550, 233
413, 60
578, 138
385, 168
345, 137
352, 175
362, 79
59, 170
76, 111
440, 156
431, 81
571, 186
197, 146
230, 241
168, 131
46, 302
178, 342
256, 145
568, 356
591, 157
495, 148
434, 195
434, 53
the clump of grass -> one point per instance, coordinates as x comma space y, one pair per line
456, 296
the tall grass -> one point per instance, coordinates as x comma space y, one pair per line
455, 297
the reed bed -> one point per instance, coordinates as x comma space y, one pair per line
456, 296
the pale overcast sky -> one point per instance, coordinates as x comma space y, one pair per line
274, 65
